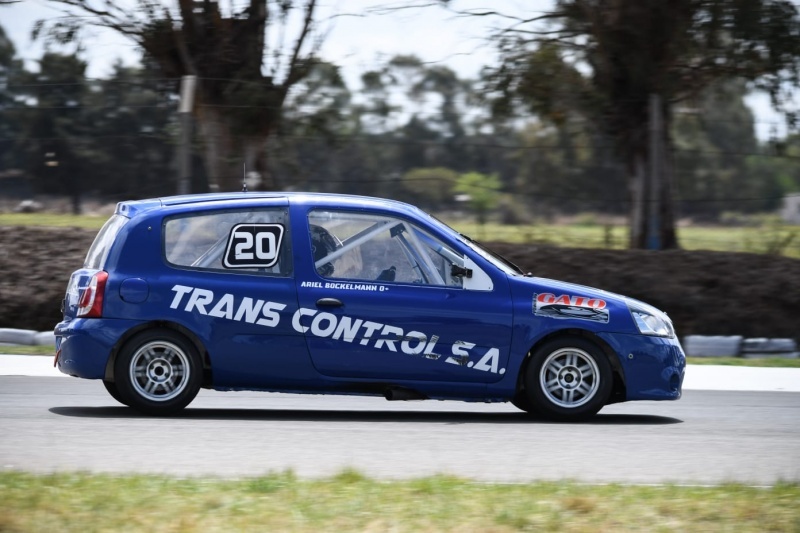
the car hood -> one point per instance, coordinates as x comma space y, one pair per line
563, 287
559, 299
592, 292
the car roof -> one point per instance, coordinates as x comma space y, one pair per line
233, 199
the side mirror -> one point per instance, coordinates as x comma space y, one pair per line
475, 279
458, 272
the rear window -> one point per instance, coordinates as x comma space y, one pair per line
98, 252
252, 241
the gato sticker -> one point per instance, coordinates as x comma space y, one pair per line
567, 306
253, 246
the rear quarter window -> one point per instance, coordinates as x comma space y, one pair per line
98, 252
255, 242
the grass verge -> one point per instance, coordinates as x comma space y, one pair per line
773, 362
352, 502
27, 350
760, 239
52, 220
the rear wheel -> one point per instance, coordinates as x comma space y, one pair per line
111, 387
158, 372
568, 379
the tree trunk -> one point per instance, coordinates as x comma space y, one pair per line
223, 163
652, 222
639, 217
669, 237
256, 159
639, 190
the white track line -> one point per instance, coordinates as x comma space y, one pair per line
698, 377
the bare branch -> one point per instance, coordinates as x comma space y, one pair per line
295, 70
112, 17
404, 6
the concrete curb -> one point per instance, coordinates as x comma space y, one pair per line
26, 337
738, 346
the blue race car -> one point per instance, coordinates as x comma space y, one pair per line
333, 294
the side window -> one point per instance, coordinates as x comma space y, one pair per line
378, 248
253, 242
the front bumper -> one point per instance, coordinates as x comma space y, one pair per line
84, 345
653, 367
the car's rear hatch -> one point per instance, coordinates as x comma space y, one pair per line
81, 280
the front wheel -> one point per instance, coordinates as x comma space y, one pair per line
158, 372
568, 379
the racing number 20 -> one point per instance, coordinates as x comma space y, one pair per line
244, 242
253, 245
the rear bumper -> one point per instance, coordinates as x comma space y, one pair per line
84, 345
653, 367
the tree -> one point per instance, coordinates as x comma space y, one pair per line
713, 139
314, 118
11, 69
54, 125
481, 190
430, 187
611, 58
244, 70
129, 148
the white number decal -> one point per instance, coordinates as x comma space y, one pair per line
245, 242
253, 246
271, 251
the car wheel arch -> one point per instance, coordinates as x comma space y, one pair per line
618, 387
160, 324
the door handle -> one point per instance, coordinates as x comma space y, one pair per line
329, 302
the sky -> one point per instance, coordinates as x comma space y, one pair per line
359, 38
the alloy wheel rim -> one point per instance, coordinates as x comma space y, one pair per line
159, 371
569, 377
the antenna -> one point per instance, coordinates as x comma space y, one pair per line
244, 177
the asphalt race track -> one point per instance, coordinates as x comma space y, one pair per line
709, 437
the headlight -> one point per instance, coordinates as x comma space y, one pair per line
652, 324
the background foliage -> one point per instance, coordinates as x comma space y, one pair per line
409, 130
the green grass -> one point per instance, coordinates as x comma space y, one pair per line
727, 239
722, 239
28, 350
727, 361
352, 502
52, 220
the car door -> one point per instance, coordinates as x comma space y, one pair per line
380, 299
231, 282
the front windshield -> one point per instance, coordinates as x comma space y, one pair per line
497, 260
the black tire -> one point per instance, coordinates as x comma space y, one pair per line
522, 402
111, 387
568, 379
158, 372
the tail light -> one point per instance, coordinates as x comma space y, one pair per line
91, 302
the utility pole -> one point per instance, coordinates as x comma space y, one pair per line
188, 84
653, 241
